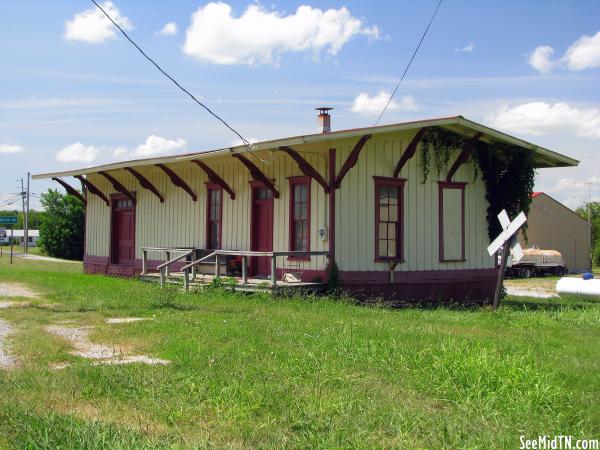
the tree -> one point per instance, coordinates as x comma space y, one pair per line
62, 225
594, 208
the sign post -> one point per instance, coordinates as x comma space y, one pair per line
12, 241
506, 240
10, 220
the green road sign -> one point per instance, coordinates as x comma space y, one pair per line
8, 220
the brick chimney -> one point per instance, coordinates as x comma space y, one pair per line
324, 120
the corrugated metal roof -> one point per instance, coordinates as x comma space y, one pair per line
458, 124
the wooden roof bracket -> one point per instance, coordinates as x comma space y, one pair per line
257, 173
92, 188
305, 167
215, 178
410, 151
464, 156
118, 186
145, 183
351, 160
71, 190
178, 181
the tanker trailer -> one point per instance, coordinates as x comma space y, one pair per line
536, 262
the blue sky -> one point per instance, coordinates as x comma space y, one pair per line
73, 95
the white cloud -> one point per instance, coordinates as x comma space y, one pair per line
366, 104
259, 36
466, 49
537, 118
77, 152
237, 141
573, 192
170, 29
8, 148
92, 26
583, 54
154, 146
540, 59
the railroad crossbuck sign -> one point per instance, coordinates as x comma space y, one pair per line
509, 229
506, 239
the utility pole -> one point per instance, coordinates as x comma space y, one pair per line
27, 216
23, 203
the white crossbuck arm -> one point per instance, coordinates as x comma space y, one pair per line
508, 230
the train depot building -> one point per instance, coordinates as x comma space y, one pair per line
281, 211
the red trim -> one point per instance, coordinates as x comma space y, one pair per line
416, 276
410, 151
215, 178
71, 190
213, 187
464, 286
331, 199
295, 181
464, 156
255, 184
113, 198
259, 184
145, 183
256, 173
91, 187
305, 167
351, 160
177, 181
450, 185
397, 182
118, 186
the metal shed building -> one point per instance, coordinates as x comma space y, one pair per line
553, 226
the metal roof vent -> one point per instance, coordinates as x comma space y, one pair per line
324, 120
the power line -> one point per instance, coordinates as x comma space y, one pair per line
244, 141
409, 62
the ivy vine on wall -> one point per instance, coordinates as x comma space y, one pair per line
507, 170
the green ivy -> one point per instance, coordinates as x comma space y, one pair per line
507, 170
442, 144
509, 174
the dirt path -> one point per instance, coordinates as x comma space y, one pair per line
43, 258
116, 320
533, 287
6, 361
16, 290
103, 354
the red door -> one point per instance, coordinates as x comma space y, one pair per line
123, 231
262, 229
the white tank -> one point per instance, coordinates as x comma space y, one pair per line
578, 286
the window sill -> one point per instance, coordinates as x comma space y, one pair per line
298, 258
387, 260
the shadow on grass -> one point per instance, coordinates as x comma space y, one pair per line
538, 304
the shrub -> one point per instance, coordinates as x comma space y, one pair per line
62, 225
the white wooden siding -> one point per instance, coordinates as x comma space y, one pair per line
181, 222
355, 209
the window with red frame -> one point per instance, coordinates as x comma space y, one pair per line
388, 218
215, 210
300, 214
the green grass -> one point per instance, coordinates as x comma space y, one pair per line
258, 372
